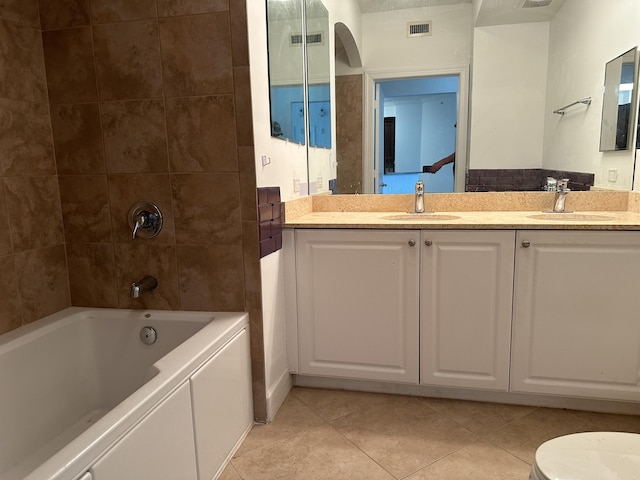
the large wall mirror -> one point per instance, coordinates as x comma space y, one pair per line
526, 63
318, 74
299, 66
286, 69
618, 114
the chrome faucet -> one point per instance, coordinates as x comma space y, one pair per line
419, 200
561, 195
551, 186
145, 284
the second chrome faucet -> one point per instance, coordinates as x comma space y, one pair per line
561, 195
419, 198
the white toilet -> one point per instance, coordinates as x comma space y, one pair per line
589, 456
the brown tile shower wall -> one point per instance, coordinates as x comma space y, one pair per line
147, 100
349, 133
33, 269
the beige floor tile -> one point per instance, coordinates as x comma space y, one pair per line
230, 473
333, 404
480, 461
479, 417
523, 436
611, 422
292, 418
402, 434
320, 454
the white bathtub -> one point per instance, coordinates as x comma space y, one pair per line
75, 384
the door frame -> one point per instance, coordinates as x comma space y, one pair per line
369, 149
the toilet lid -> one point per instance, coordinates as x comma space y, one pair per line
590, 456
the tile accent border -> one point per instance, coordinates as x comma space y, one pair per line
270, 220
523, 179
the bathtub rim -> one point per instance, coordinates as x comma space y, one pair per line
174, 369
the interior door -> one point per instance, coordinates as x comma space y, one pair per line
389, 144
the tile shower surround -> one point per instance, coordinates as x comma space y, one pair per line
145, 100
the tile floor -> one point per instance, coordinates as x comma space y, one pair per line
331, 434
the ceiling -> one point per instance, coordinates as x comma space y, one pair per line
372, 6
503, 12
490, 12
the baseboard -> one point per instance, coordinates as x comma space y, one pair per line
537, 400
277, 393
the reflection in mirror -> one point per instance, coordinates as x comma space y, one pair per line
619, 95
419, 133
320, 162
526, 63
286, 69
318, 79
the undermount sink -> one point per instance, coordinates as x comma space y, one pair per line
419, 217
571, 216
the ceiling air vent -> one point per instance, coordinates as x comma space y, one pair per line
312, 39
419, 29
315, 38
536, 3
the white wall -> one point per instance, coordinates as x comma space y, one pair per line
347, 12
508, 96
288, 162
425, 130
286, 59
445, 52
581, 41
438, 136
449, 44
322, 162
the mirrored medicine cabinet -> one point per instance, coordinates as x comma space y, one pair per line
299, 72
618, 113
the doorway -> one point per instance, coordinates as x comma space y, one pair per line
429, 112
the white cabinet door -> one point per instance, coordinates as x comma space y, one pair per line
222, 404
465, 308
159, 447
358, 303
576, 327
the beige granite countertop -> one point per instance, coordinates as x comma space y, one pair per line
508, 210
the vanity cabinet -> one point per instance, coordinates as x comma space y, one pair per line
546, 312
576, 324
357, 297
465, 308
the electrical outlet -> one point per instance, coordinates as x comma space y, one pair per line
613, 174
319, 184
296, 185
